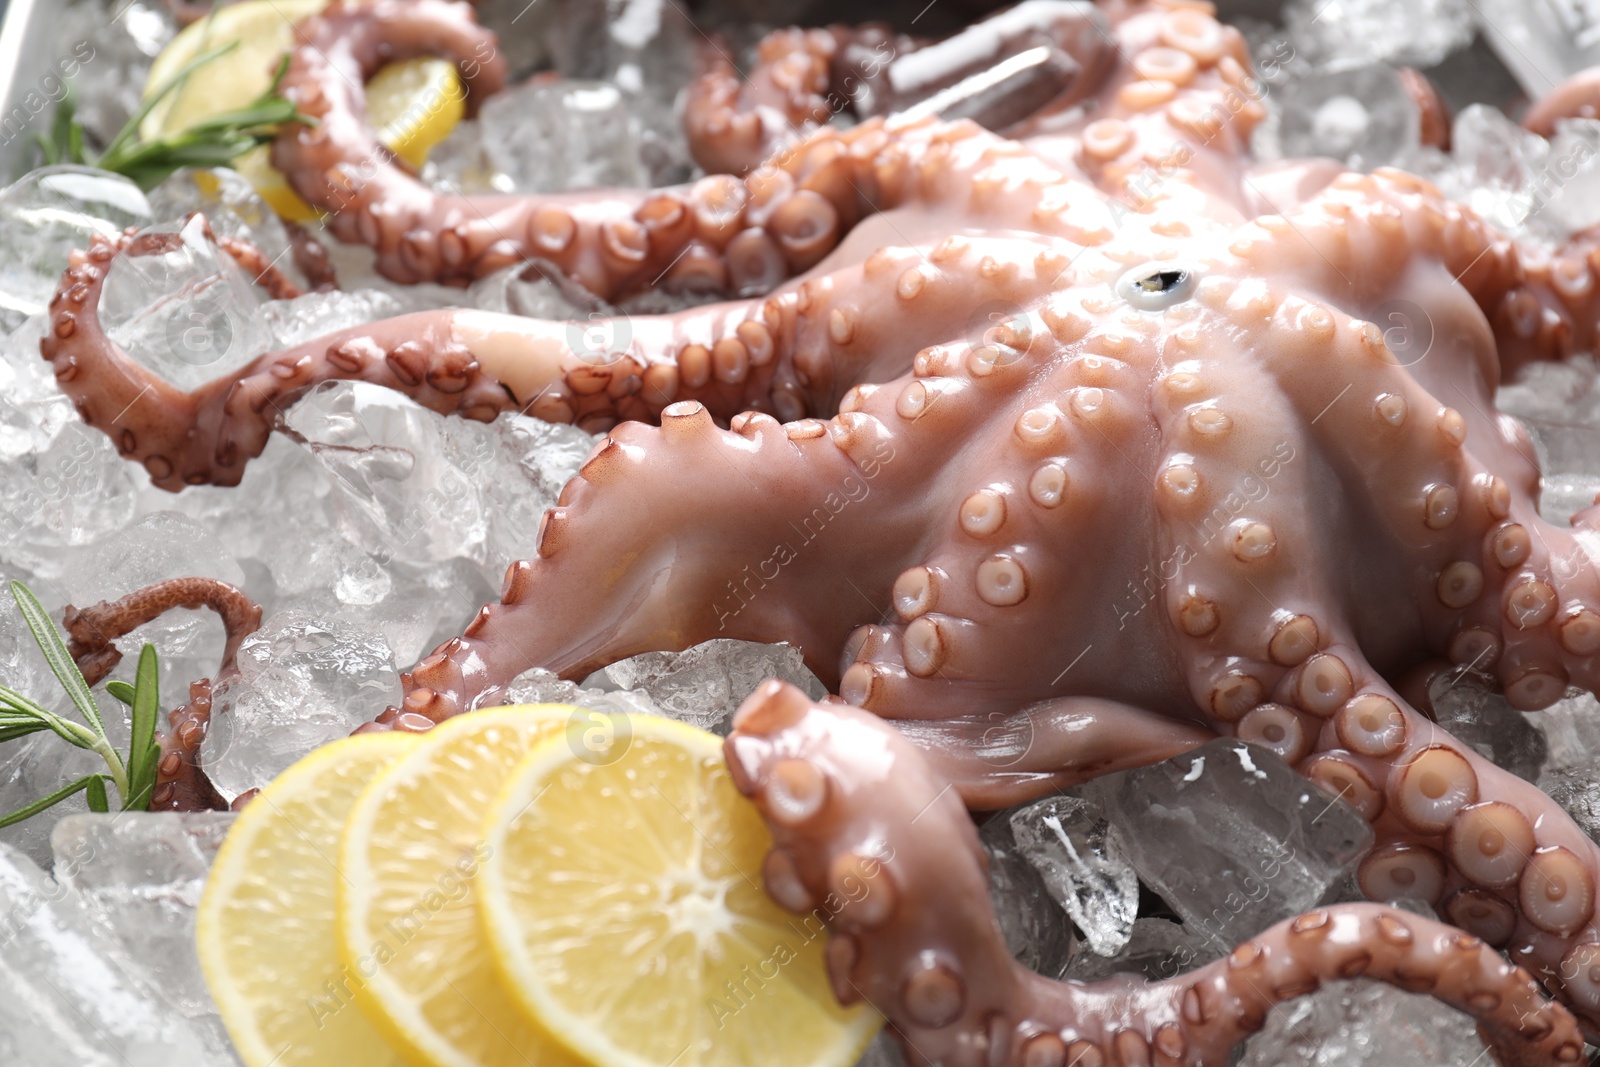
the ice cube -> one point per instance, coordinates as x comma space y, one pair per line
1572, 730
705, 685
1348, 33
539, 686
410, 483
1361, 116
305, 318
1066, 838
70, 996
1361, 1023
66, 493
554, 136
1475, 713
305, 678
523, 289
1037, 932
46, 215
141, 874
1503, 171
33, 409
646, 48
1577, 790
232, 206
190, 314
1572, 772
1156, 948
1232, 837
114, 41
1542, 41
1574, 175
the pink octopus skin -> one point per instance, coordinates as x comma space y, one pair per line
859, 817
1094, 439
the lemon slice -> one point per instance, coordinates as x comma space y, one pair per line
407, 914
623, 902
265, 929
413, 104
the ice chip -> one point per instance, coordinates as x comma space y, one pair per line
44, 217
141, 874
1572, 730
1543, 41
1361, 1023
553, 136
705, 685
306, 318
234, 209
304, 679
1361, 116
646, 48
67, 493
1232, 837
1036, 930
190, 314
1475, 713
1156, 949
70, 995
1067, 840
1346, 33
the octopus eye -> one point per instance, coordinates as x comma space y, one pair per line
1156, 286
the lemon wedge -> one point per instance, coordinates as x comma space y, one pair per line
265, 928
622, 899
408, 918
412, 104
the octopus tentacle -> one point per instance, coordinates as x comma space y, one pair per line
798, 352
801, 79
1178, 111
181, 784
1576, 98
1517, 871
719, 235
794, 489
1001, 759
1060, 50
858, 816
92, 629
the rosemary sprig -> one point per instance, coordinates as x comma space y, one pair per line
133, 778
211, 142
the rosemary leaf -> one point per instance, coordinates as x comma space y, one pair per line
122, 691
130, 129
141, 746
97, 794
11, 731
53, 799
56, 654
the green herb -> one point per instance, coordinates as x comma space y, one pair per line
134, 778
211, 142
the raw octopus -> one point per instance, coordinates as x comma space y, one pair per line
979, 428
